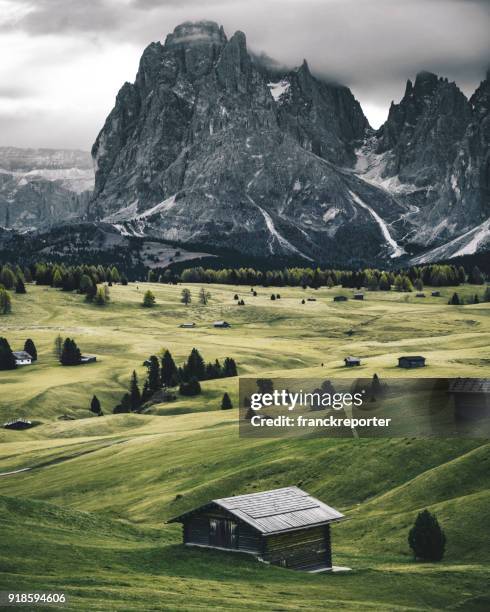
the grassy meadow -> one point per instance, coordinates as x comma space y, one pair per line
89, 519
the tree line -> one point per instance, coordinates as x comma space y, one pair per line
437, 275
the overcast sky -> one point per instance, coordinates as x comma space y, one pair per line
63, 61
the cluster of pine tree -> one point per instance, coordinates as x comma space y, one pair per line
12, 279
164, 373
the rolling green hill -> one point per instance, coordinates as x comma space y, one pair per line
89, 518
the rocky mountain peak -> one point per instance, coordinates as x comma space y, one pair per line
196, 33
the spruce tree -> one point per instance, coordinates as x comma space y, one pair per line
186, 297
95, 405
195, 366
58, 346
191, 388
134, 393
5, 302
169, 377
426, 538
149, 300
20, 288
30, 348
70, 353
7, 359
229, 367
154, 380
226, 403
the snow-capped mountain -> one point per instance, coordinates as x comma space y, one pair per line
40, 187
216, 147
212, 145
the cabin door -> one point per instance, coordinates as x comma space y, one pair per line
223, 533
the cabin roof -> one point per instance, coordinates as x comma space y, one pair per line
411, 357
469, 385
351, 358
275, 511
21, 355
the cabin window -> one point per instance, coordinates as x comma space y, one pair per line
223, 533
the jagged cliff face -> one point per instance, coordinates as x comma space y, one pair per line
211, 145
432, 154
206, 147
42, 187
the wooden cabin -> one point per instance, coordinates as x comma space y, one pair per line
221, 324
351, 362
187, 325
358, 296
286, 527
411, 361
22, 358
471, 398
436, 294
340, 298
18, 424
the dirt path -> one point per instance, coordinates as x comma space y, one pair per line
61, 459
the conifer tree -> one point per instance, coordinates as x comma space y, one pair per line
20, 288
154, 380
30, 347
426, 538
7, 359
70, 353
149, 299
5, 302
186, 297
95, 405
169, 376
226, 403
134, 393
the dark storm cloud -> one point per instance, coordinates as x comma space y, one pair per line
371, 45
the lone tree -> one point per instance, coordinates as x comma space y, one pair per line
186, 297
426, 538
70, 354
95, 405
149, 300
455, 300
226, 403
30, 347
58, 347
7, 359
204, 296
5, 301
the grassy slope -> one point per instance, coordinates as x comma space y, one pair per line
99, 518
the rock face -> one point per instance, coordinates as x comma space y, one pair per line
41, 187
208, 147
432, 154
214, 146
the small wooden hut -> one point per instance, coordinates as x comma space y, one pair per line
286, 527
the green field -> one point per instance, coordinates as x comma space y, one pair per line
90, 519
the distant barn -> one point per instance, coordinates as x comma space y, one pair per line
340, 298
471, 397
18, 424
285, 527
22, 358
221, 324
411, 361
351, 362
358, 296
436, 294
187, 325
